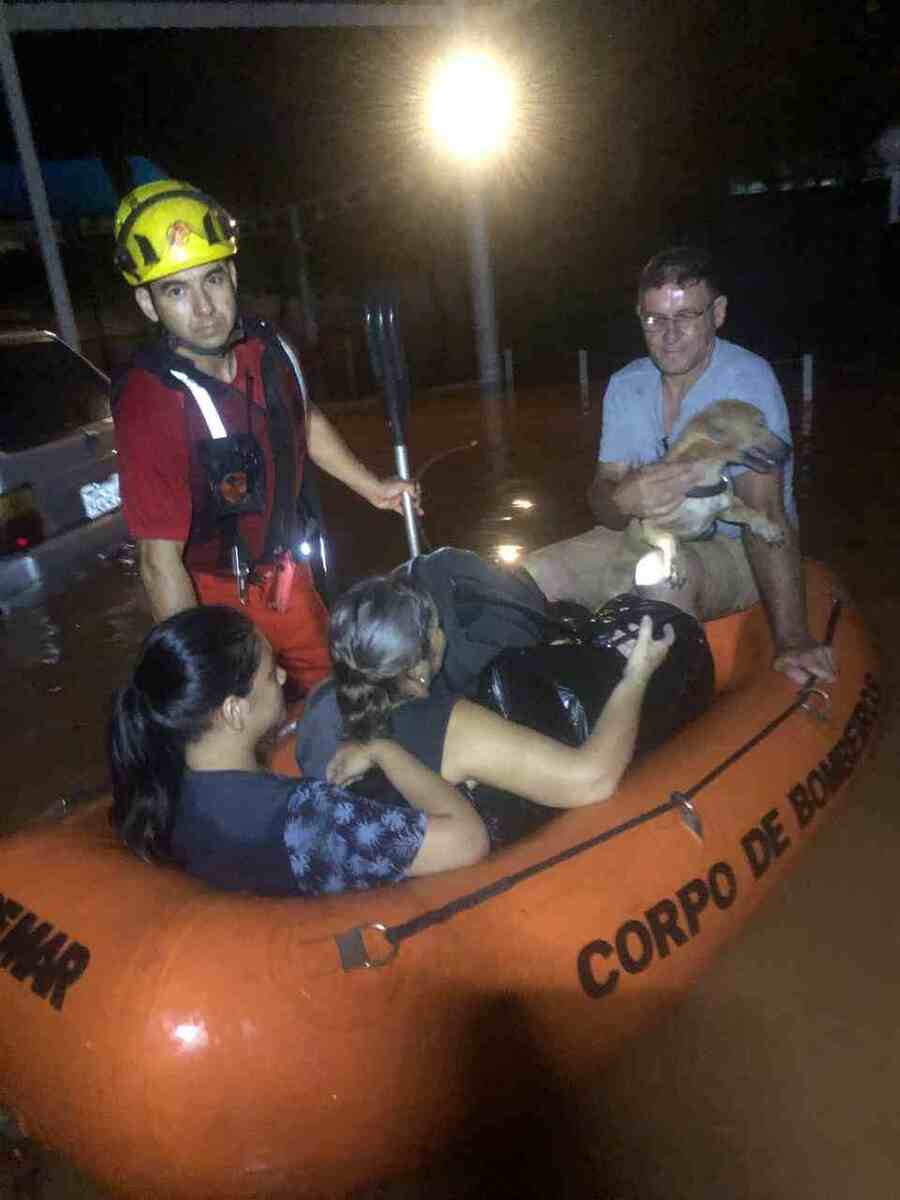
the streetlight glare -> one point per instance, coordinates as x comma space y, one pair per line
470, 105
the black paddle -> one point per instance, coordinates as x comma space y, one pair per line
389, 368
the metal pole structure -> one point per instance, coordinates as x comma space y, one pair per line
34, 183
805, 447
888, 147
389, 368
43, 15
481, 275
584, 389
484, 308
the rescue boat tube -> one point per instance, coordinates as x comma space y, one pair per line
180, 1042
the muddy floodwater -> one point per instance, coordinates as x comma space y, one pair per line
778, 1076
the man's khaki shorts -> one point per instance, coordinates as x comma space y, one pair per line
587, 569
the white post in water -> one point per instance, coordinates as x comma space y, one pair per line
584, 393
804, 460
888, 147
509, 380
807, 376
894, 197
806, 413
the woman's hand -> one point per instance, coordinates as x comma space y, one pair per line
351, 761
645, 652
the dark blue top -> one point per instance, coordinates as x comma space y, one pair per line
420, 727
276, 836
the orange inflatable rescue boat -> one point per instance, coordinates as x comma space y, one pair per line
180, 1042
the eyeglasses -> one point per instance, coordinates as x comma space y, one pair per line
656, 322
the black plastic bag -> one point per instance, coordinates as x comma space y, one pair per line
561, 687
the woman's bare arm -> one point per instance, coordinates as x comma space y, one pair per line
456, 836
164, 575
483, 746
329, 451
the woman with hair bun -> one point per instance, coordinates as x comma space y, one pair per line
387, 646
188, 788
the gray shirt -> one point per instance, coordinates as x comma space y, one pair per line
633, 430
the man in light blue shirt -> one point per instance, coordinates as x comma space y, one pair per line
647, 403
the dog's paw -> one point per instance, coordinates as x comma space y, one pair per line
770, 532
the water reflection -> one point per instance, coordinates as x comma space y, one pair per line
37, 637
61, 657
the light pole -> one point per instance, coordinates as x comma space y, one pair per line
470, 114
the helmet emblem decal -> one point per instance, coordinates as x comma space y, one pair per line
179, 233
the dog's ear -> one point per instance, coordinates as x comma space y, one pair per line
719, 429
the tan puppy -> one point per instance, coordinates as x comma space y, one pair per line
729, 431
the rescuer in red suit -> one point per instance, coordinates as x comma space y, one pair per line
214, 428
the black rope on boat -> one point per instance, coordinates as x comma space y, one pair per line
747, 746
830, 628
836, 605
398, 933
351, 944
436, 916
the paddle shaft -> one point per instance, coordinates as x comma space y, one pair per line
409, 513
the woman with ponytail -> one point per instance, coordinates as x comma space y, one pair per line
387, 647
188, 788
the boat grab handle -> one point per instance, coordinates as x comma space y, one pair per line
688, 813
821, 708
355, 953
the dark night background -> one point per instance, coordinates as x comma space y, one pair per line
637, 114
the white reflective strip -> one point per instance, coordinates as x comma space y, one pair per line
298, 370
205, 404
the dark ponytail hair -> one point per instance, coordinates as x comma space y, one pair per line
187, 667
379, 630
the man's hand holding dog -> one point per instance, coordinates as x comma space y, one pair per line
657, 489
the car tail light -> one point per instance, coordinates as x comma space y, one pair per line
21, 527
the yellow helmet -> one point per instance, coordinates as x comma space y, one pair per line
168, 226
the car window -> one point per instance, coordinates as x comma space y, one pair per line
46, 391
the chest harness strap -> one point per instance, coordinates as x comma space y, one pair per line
204, 403
282, 433
232, 542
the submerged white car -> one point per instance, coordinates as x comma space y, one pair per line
59, 483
